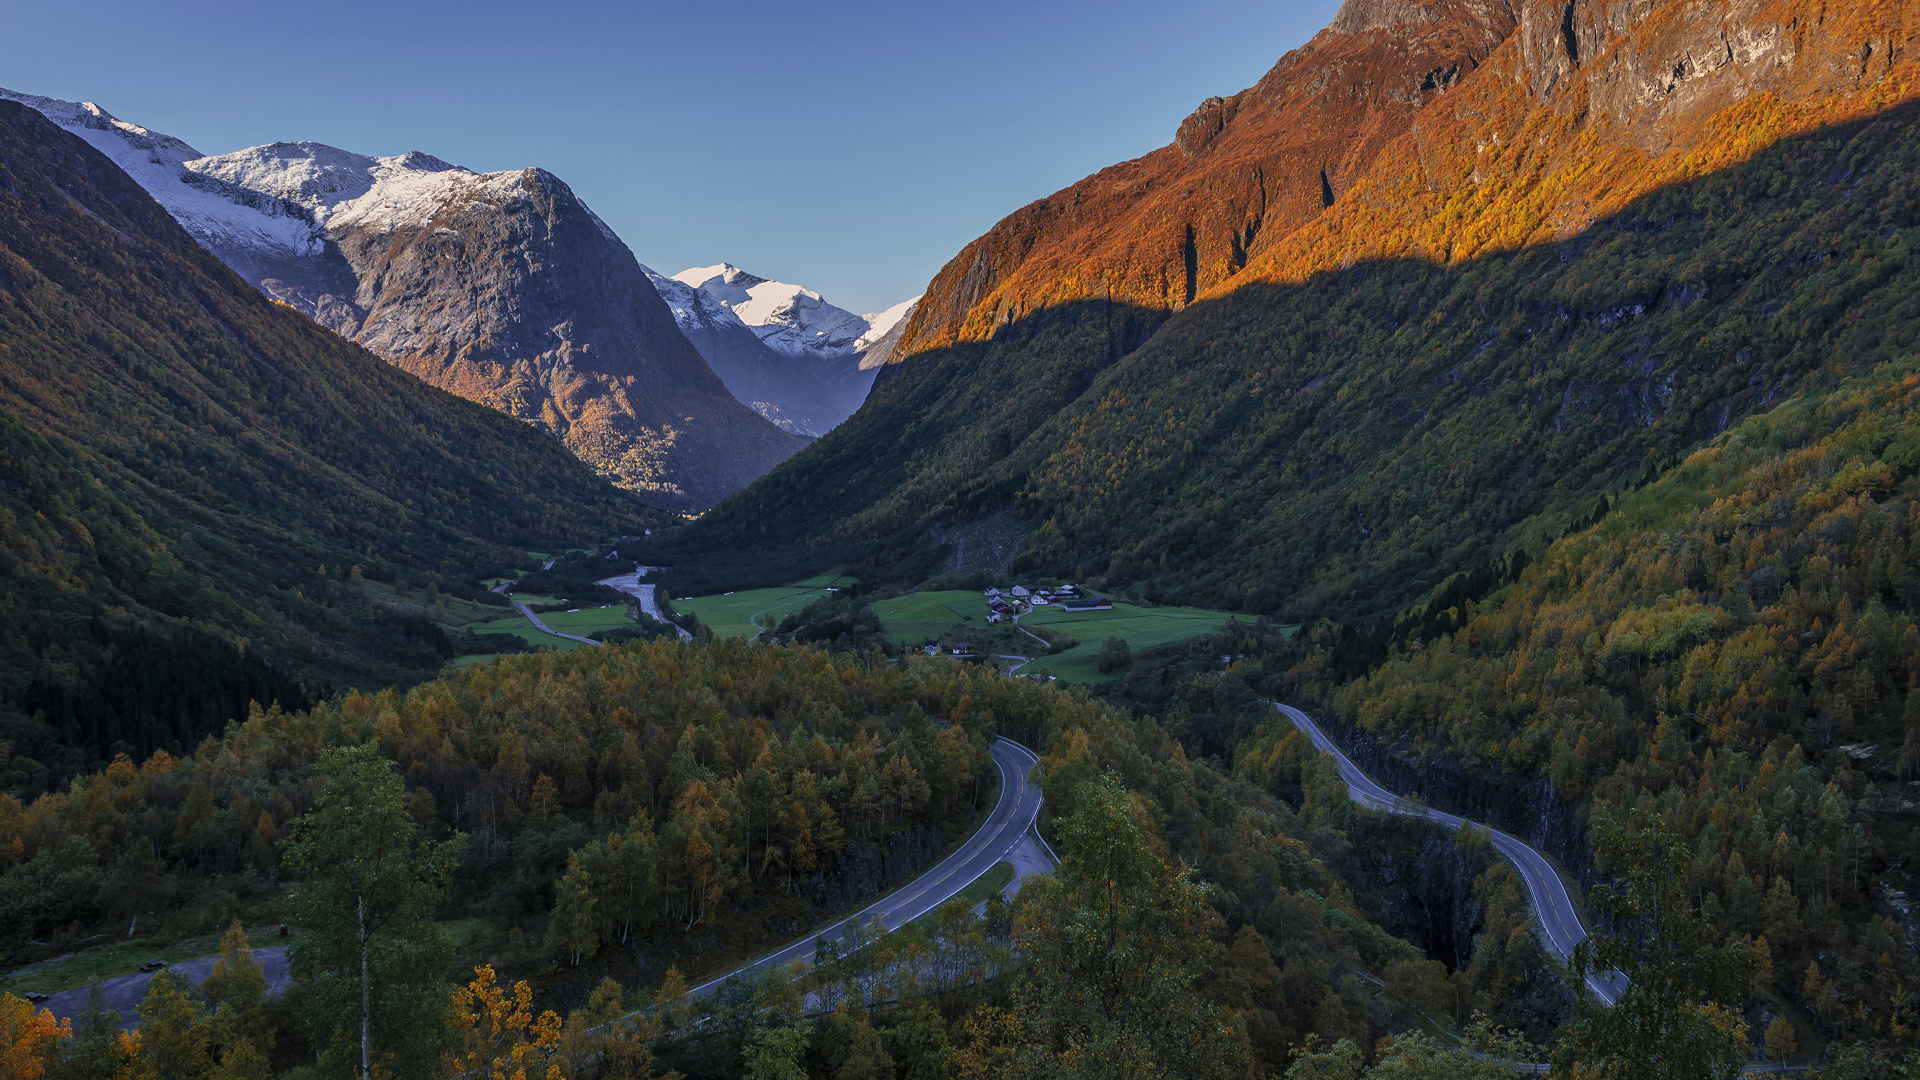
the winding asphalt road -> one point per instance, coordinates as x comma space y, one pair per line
1552, 906
992, 843
535, 619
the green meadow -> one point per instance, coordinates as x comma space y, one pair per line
585, 622
1143, 628
916, 617
749, 611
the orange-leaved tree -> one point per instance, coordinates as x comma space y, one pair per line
28, 1038
499, 1038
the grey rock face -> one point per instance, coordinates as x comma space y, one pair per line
506, 289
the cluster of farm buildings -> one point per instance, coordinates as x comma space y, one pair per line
1019, 600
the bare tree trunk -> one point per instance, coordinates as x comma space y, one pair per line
366, 1011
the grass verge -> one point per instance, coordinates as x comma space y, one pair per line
988, 883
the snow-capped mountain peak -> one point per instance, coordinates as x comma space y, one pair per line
260, 207
86, 115
693, 309
328, 181
790, 319
880, 322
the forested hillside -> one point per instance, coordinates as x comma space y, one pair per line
199, 489
1539, 290
1733, 648
644, 813
779, 780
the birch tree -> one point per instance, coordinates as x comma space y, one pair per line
371, 968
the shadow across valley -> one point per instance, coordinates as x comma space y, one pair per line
1340, 446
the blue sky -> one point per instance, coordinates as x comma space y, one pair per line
850, 147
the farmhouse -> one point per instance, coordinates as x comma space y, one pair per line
1090, 603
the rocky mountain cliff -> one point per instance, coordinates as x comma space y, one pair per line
503, 288
1446, 275
1241, 173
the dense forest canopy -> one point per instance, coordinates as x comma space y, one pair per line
630, 810
1733, 648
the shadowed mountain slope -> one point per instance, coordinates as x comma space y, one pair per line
1551, 279
194, 480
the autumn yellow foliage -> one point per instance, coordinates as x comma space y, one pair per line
500, 1039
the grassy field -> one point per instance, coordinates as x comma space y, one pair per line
585, 622
915, 617
749, 611
1143, 628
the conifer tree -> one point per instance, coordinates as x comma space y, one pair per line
237, 992
1782, 1043
627, 880
176, 1035
97, 1052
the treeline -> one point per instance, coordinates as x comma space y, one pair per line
1118, 959
643, 810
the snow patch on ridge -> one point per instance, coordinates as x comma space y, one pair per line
279, 200
880, 322
692, 308
211, 211
342, 189
790, 319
